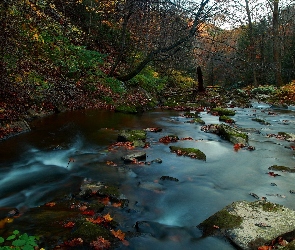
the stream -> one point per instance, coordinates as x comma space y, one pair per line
35, 169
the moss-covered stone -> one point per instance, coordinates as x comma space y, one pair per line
261, 121
89, 231
223, 111
226, 119
221, 220
110, 191
199, 120
191, 152
251, 224
138, 137
282, 168
232, 134
191, 115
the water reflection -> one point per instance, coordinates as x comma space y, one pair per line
35, 168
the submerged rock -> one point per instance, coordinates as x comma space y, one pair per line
250, 224
134, 156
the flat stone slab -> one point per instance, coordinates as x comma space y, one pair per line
261, 222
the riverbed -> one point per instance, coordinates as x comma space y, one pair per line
64, 149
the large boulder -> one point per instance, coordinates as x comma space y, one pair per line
250, 224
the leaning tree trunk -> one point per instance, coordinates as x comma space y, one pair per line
252, 45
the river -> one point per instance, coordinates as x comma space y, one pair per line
35, 168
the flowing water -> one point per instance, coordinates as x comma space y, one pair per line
35, 169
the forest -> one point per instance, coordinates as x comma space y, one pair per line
125, 54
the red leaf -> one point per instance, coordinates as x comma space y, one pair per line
89, 212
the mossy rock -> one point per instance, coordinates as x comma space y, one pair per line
191, 152
221, 220
223, 111
89, 231
226, 119
138, 137
287, 136
199, 120
232, 134
191, 115
250, 224
261, 121
282, 168
110, 191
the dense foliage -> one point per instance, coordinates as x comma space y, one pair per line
122, 55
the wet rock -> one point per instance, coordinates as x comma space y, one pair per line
282, 168
141, 155
88, 187
261, 121
255, 196
158, 160
250, 224
190, 152
223, 112
232, 134
138, 137
169, 178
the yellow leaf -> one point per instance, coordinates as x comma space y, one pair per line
108, 218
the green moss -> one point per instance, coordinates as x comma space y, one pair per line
111, 191
127, 109
223, 111
191, 115
282, 168
263, 122
267, 206
227, 119
132, 135
228, 132
199, 120
284, 134
89, 231
222, 219
191, 152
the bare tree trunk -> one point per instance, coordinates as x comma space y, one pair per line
276, 44
252, 44
200, 80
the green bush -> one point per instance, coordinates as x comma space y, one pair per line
150, 80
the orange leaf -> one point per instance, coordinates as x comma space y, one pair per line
70, 224
108, 218
82, 208
265, 248
98, 220
118, 234
119, 204
105, 201
50, 204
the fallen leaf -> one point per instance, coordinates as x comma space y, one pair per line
70, 224
50, 204
108, 217
118, 234
100, 243
98, 220
89, 212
